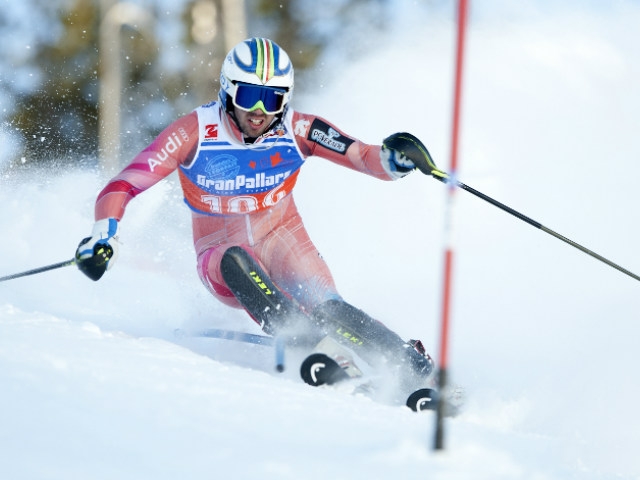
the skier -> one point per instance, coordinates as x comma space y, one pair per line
238, 159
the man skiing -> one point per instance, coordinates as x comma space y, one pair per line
238, 159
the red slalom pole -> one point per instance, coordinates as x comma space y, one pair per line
448, 256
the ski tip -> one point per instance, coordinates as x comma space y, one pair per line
423, 399
320, 369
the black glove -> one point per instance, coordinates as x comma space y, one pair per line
406, 152
96, 254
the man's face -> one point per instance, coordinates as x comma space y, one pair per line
254, 123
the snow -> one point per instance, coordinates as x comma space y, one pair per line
96, 385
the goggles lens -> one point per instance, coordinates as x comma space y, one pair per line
251, 97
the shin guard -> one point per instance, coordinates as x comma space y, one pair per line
256, 292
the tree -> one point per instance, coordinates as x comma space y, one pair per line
53, 83
58, 118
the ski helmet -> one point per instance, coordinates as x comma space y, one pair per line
256, 74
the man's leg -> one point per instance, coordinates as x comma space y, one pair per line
371, 339
274, 311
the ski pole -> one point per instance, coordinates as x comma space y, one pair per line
445, 178
39, 270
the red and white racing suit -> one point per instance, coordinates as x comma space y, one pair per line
240, 194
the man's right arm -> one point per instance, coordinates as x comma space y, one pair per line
174, 146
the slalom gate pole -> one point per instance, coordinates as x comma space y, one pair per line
448, 254
39, 270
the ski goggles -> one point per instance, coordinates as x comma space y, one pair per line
252, 97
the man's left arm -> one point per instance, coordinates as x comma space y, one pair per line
390, 161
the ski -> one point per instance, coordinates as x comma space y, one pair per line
320, 369
332, 364
278, 343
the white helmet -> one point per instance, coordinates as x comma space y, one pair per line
256, 73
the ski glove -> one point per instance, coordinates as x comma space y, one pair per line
405, 152
96, 254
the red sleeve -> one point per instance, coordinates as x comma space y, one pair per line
317, 137
175, 145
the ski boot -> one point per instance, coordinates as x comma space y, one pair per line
370, 339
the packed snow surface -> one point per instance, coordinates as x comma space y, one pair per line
96, 385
